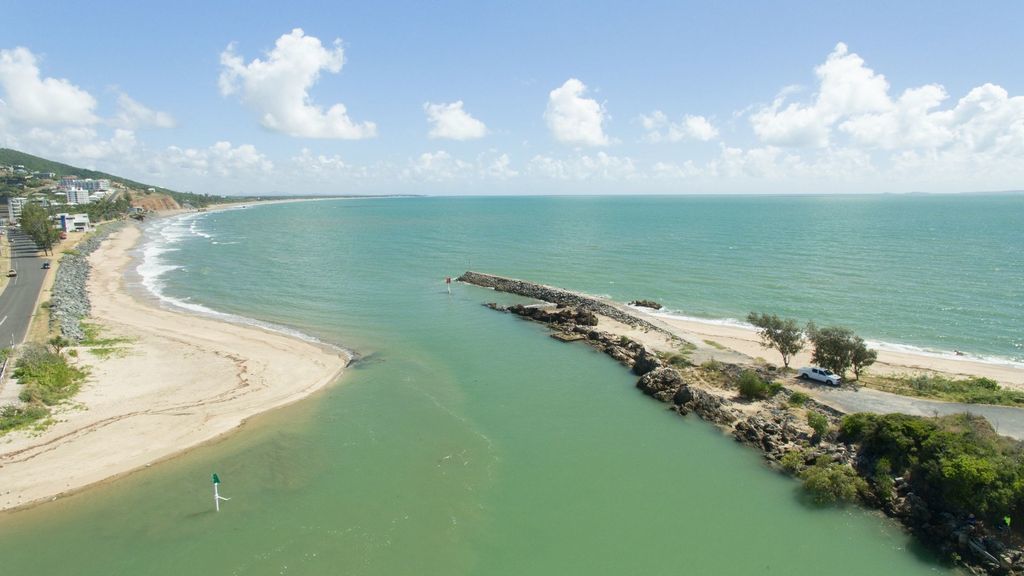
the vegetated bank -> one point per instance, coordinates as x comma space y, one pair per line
952, 481
42, 370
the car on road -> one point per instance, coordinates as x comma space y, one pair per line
819, 375
46, 265
12, 273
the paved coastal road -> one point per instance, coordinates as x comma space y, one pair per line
1006, 420
18, 300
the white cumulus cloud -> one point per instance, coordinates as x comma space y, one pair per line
601, 166
450, 121
846, 87
55, 118
32, 100
438, 166
222, 159
277, 88
441, 166
660, 129
574, 119
132, 114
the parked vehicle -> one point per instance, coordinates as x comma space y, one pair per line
46, 265
12, 273
819, 375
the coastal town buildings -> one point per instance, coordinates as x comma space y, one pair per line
14, 206
72, 222
88, 184
77, 196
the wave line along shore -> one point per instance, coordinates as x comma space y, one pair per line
184, 380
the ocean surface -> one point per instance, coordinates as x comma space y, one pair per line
464, 441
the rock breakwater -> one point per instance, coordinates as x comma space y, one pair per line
69, 302
771, 425
556, 296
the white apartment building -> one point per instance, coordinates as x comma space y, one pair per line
14, 205
88, 184
78, 196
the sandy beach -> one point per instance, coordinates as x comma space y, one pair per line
182, 380
746, 342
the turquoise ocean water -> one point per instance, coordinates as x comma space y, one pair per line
466, 442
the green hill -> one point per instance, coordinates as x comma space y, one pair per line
36, 164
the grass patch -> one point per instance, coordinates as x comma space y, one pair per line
973, 390
712, 366
798, 399
46, 377
13, 417
104, 352
93, 337
715, 345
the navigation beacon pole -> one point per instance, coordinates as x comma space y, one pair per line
216, 494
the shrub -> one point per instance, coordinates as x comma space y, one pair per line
798, 399
751, 386
711, 365
830, 482
12, 416
885, 487
793, 461
818, 422
46, 376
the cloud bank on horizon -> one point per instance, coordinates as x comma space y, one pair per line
849, 130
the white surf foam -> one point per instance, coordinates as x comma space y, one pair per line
878, 344
162, 238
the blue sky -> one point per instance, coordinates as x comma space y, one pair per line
566, 98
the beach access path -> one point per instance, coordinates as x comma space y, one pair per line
178, 380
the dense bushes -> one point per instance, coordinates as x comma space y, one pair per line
957, 463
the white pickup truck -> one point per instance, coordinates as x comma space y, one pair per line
819, 374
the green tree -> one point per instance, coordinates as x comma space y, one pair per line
36, 222
836, 348
58, 343
861, 357
782, 334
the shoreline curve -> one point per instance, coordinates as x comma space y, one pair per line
177, 381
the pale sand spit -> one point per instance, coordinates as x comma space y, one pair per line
181, 381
